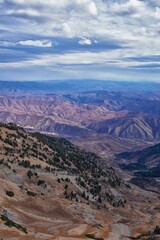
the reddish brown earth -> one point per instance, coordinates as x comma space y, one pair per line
48, 214
105, 123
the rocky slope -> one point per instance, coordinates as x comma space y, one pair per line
50, 189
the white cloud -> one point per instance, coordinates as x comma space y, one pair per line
129, 7
89, 5
23, 12
7, 44
66, 30
92, 8
122, 19
36, 43
155, 2
113, 58
134, 23
85, 41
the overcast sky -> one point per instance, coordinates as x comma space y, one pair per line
80, 39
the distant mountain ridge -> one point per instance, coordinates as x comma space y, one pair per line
89, 115
71, 86
135, 127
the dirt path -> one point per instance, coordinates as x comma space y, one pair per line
119, 232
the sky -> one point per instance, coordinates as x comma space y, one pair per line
80, 39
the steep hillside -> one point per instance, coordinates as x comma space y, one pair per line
51, 189
106, 145
144, 164
48, 182
131, 126
149, 156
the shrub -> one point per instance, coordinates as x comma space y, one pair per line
93, 237
10, 223
157, 230
10, 193
40, 182
31, 193
29, 174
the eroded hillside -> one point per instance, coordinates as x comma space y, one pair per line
50, 189
87, 116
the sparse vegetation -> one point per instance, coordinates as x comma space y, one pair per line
30, 193
92, 176
151, 235
93, 237
29, 174
40, 182
62, 156
157, 230
10, 193
8, 222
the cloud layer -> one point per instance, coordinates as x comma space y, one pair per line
75, 38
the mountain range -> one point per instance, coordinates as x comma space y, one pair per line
79, 160
61, 115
